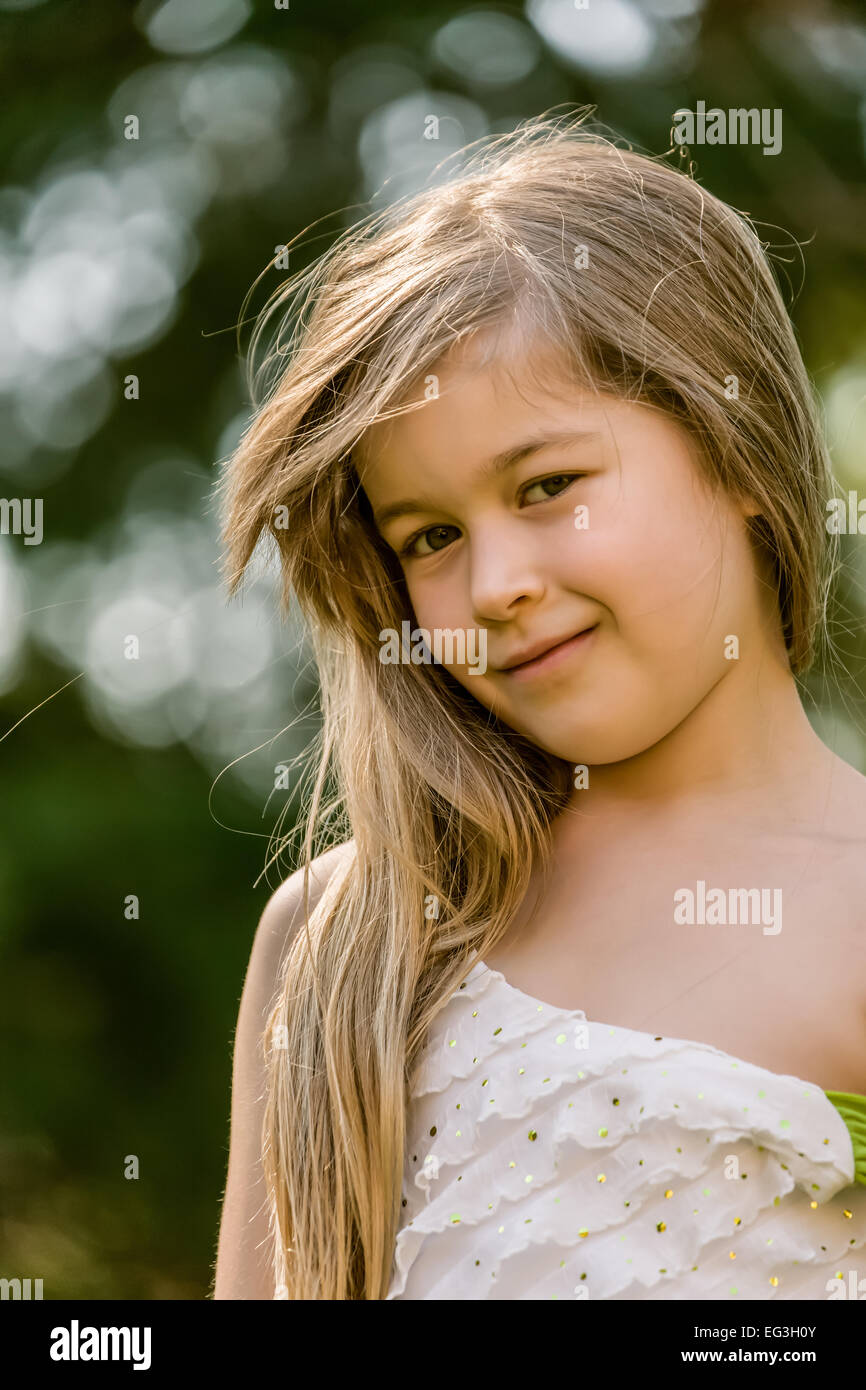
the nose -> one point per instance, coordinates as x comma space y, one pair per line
505, 573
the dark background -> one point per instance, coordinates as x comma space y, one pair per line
155, 776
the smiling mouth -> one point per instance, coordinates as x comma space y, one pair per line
552, 657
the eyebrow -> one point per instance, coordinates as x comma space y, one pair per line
493, 468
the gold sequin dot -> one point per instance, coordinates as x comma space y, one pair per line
732, 1255
512, 1164
485, 1081
670, 1192
738, 1221
813, 1205
661, 1226
533, 1134
528, 1178
774, 1281
583, 1231
601, 1178
474, 1013
521, 1070
453, 1042
433, 1130
847, 1214
615, 1102
560, 1038
602, 1133
455, 1220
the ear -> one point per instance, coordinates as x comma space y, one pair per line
749, 506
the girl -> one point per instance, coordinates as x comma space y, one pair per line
575, 1006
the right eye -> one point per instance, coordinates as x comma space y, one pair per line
408, 551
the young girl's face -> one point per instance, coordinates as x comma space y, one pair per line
606, 524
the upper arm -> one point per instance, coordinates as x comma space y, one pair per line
243, 1266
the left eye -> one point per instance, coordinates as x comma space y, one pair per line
561, 480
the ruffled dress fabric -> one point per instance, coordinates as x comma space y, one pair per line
549, 1156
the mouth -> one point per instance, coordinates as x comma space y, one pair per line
551, 658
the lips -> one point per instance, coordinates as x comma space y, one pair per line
541, 649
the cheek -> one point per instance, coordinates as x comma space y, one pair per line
439, 600
653, 563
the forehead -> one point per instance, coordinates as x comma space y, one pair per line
476, 399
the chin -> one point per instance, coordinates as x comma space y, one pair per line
580, 746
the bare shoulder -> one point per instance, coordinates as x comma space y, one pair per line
835, 862
848, 797
841, 814
243, 1264
283, 914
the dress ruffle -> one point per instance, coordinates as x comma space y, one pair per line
659, 1168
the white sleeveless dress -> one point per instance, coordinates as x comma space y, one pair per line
552, 1157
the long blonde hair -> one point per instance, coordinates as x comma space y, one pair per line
448, 808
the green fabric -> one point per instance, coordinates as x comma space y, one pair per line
853, 1111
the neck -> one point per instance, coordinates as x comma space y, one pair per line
748, 735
